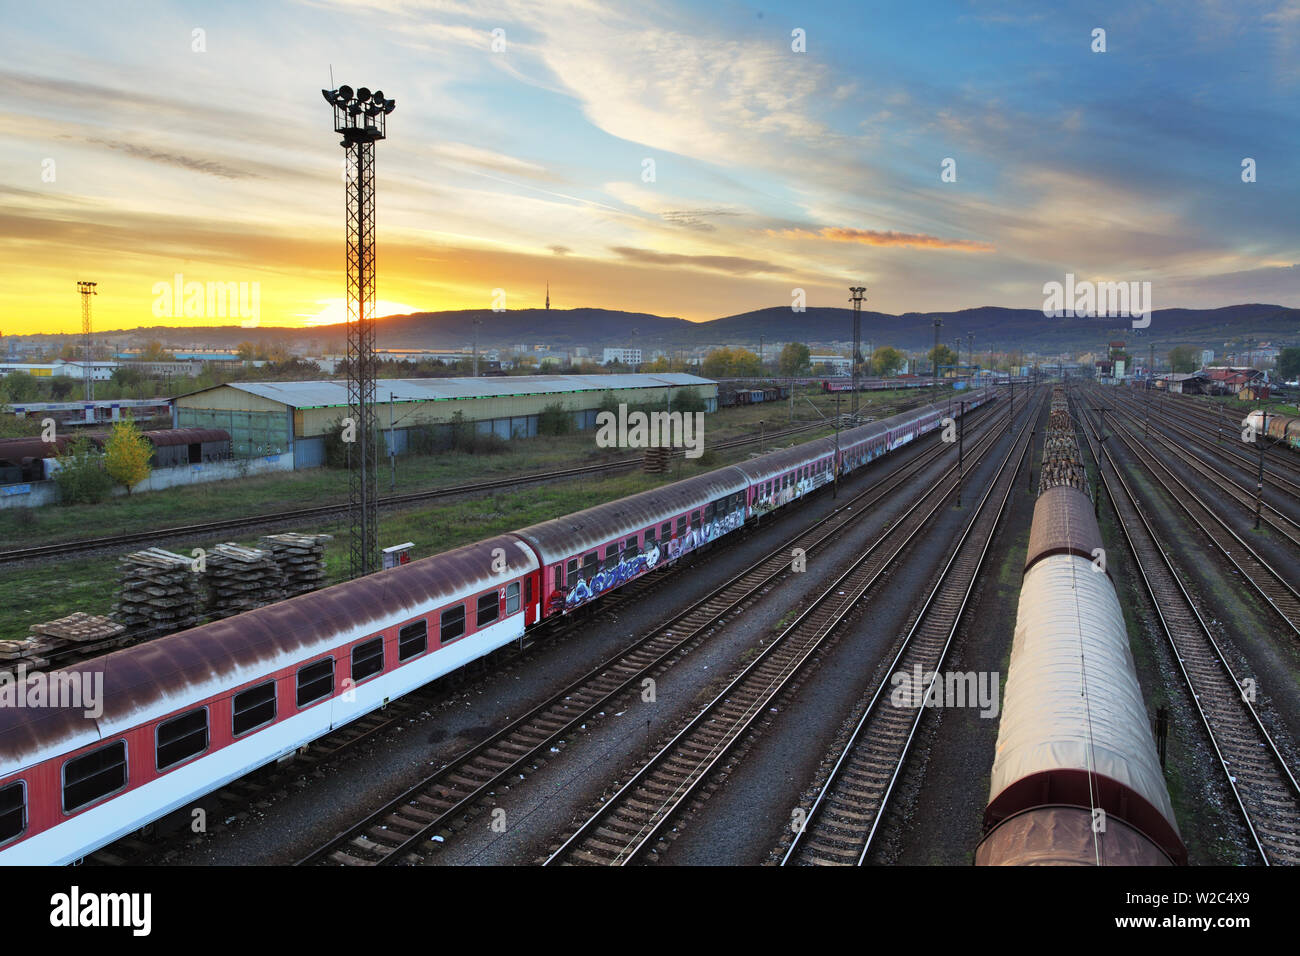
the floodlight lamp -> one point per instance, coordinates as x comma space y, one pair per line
345, 92
389, 106
331, 96
378, 97
363, 94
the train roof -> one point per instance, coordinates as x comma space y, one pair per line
166, 674
782, 460
1066, 836
564, 537
1064, 523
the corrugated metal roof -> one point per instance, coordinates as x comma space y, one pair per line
335, 392
1066, 836
1064, 523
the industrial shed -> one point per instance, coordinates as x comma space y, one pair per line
270, 418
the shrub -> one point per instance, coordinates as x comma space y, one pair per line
81, 477
554, 419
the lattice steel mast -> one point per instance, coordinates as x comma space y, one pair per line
360, 118
858, 292
87, 289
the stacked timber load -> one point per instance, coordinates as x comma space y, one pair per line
656, 459
24, 657
1062, 460
240, 579
301, 560
159, 593
65, 641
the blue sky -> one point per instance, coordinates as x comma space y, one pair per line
773, 169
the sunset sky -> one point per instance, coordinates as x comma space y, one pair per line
130, 156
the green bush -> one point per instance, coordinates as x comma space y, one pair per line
554, 419
81, 477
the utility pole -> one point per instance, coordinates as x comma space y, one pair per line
934, 364
961, 434
477, 323
360, 117
1259, 482
87, 289
859, 291
835, 465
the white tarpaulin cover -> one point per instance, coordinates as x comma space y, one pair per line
1070, 634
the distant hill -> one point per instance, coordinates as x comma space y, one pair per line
995, 327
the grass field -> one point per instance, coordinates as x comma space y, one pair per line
49, 591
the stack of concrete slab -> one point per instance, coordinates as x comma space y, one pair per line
301, 559
240, 579
159, 593
65, 641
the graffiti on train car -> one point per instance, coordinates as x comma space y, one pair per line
606, 578
783, 496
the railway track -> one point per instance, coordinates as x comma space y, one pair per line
1207, 418
840, 827
631, 822
1275, 590
1232, 487
208, 529
1218, 452
405, 825
1264, 786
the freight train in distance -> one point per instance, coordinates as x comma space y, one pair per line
182, 715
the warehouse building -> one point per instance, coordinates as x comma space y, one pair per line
277, 418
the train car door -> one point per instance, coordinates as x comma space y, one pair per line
532, 598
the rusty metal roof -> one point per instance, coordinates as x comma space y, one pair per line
145, 682
1064, 523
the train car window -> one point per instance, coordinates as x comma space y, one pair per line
452, 624
94, 776
666, 531
573, 572
708, 511
559, 578
253, 708
315, 681
512, 597
412, 641
651, 539
589, 565
611, 558
181, 738
368, 659
489, 609
13, 810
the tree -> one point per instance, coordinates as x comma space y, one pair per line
1183, 358
886, 361
21, 387
126, 455
81, 476
1288, 364
154, 352
794, 359
247, 351
942, 356
717, 364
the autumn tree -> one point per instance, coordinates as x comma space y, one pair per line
1183, 358
942, 356
886, 361
794, 359
126, 455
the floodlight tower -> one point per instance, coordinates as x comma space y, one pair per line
359, 117
934, 363
87, 289
858, 292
